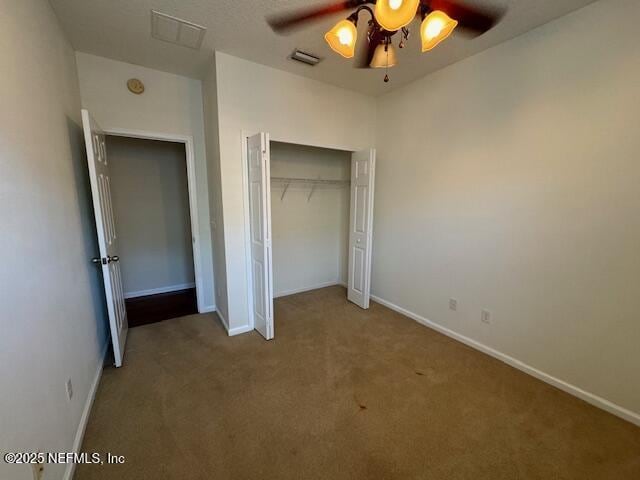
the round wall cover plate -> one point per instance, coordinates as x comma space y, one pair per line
135, 86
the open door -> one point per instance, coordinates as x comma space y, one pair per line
363, 166
107, 239
258, 162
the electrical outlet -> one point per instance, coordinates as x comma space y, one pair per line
69, 390
486, 317
453, 304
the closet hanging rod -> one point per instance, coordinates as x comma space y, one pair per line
310, 181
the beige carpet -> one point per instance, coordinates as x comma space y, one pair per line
341, 393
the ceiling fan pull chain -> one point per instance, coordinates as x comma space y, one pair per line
386, 70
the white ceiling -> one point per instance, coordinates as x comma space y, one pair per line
121, 29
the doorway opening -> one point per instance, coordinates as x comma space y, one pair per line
99, 163
308, 222
150, 198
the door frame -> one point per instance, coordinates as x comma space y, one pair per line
188, 143
244, 135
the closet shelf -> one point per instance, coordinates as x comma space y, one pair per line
309, 181
314, 182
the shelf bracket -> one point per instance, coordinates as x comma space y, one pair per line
284, 192
313, 189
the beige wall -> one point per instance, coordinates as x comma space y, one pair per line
254, 98
52, 314
171, 104
510, 181
150, 196
310, 237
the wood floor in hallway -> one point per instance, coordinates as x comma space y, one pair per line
341, 393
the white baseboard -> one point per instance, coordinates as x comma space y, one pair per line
284, 293
240, 330
588, 397
208, 309
232, 332
157, 291
84, 419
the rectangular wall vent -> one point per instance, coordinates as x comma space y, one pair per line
305, 57
175, 30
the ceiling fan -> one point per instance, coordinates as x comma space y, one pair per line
388, 18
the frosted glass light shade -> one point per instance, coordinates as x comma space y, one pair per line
436, 27
395, 14
342, 38
384, 58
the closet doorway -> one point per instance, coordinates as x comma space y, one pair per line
308, 222
143, 187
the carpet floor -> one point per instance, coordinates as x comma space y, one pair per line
341, 393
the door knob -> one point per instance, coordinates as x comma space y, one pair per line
115, 258
96, 260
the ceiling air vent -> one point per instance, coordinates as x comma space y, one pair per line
304, 57
175, 30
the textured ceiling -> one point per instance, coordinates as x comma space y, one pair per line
121, 29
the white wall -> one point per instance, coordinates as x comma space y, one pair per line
294, 109
510, 182
52, 314
171, 104
310, 237
150, 196
210, 100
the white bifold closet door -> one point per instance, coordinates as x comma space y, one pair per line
363, 165
109, 261
260, 233
360, 230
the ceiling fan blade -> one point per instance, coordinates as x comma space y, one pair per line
285, 23
474, 20
365, 54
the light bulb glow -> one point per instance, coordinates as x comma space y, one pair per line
395, 4
345, 36
436, 27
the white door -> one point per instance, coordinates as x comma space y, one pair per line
109, 261
363, 166
260, 233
